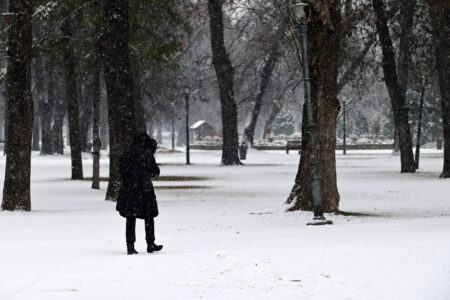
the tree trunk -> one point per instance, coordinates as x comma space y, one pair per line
266, 74
16, 189
72, 101
324, 51
394, 88
96, 129
5, 147
276, 108
118, 78
36, 130
55, 92
224, 73
440, 11
181, 134
159, 132
86, 111
38, 91
45, 112
104, 131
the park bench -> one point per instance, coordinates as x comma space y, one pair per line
293, 145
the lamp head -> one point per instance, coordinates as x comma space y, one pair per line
300, 11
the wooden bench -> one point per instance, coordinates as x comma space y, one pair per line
293, 145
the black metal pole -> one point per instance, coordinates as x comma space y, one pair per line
313, 162
173, 128
419, 126
187, 129
344, 146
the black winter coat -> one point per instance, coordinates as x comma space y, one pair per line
136, 195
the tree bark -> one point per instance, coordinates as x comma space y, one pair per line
324, 50
118, 78
440, 11
397, 96
249, 131
16, 189
224, 73
72, 101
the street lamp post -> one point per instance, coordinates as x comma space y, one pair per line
300, 13
344, 145
186, 96
173, 126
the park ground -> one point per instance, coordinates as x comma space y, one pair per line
226, 235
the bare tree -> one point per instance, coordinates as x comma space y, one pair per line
396, 92
324, 33
224, 72
266, 75
72, 99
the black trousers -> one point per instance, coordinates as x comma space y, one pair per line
131, 230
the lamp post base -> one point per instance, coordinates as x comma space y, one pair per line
320, 221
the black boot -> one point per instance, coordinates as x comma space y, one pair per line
131, 250
152, 247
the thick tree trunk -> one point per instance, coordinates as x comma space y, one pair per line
440, 11
324, 51
224, 73
16, 189
249, 131
394, 88
276, 108
72, 101
118, 78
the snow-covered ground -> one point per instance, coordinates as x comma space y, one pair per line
231, 238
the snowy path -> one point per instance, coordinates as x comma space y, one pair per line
233, 240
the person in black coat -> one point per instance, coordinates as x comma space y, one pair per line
136, 197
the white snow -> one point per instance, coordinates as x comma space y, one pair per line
234, 240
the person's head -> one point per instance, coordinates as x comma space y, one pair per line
145, 142
141, 140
